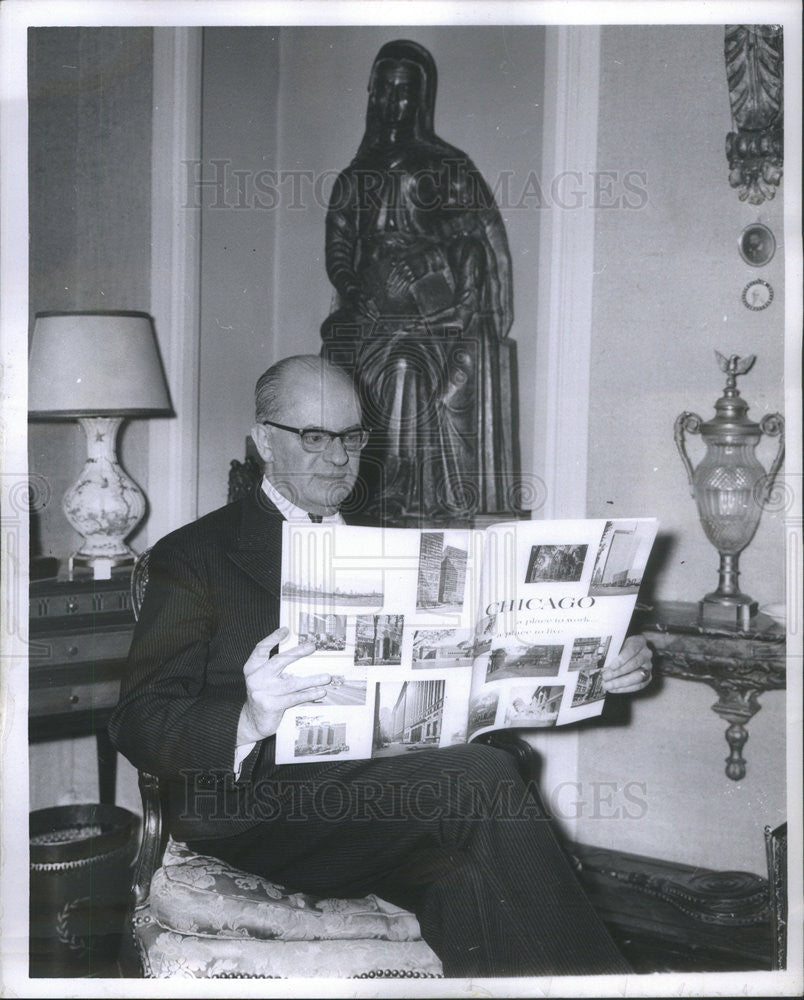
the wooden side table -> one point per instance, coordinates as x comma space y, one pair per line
79, 635
739, 664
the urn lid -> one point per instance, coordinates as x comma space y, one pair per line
731, 409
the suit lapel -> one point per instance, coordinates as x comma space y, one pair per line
258, 548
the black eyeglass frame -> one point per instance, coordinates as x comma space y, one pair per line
331, 435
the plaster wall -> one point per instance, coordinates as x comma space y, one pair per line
89, 216
668, 280
239, 282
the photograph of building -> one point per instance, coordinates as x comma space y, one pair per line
327, 631
378, 640
589, 687
555, 563
442, 570
408, 716
589, 652
621, 558
317, 736
449, 647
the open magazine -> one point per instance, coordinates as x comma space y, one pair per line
433, 637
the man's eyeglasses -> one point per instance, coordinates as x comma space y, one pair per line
317, 439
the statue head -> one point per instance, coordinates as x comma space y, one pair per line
402, 91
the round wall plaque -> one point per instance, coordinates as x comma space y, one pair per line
757, 244
757, 295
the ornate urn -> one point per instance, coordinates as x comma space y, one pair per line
730, 487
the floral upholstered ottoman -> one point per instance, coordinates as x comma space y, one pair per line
205, 918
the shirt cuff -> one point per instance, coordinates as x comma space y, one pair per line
241, 753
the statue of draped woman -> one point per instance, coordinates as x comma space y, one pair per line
418, 256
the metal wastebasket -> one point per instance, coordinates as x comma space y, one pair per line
80, 871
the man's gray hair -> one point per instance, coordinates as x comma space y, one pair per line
275, 385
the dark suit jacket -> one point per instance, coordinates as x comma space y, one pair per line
212, 594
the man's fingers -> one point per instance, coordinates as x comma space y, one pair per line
261, 658
288, 684
262, 650
301, 697
634, 655
627, 685
294, 683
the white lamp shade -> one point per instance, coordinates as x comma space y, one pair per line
99, 364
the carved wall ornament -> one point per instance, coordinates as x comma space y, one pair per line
754, 71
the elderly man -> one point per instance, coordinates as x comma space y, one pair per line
205, 692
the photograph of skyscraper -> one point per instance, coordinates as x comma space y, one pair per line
408, 716
621, 558
442, 570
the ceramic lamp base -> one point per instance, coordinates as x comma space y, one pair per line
105, 505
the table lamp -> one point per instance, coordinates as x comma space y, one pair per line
98, 368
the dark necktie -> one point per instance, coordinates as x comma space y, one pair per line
315, 518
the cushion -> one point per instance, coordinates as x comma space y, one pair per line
200, 895
167, 953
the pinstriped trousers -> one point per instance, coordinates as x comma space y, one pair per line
454, 835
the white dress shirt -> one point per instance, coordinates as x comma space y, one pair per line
290, 512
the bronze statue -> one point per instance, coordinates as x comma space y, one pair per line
418, 256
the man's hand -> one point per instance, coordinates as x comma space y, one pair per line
631, 670
270, 692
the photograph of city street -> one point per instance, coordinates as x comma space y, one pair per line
524, 661
328, 632
589, 652
442, 570
343, 690
589, 687
407, 716
555, 563
621, 559
482, 711
446, 647
378, 640
534, 706
319, 736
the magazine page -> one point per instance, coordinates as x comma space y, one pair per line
391, 613
556, 601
